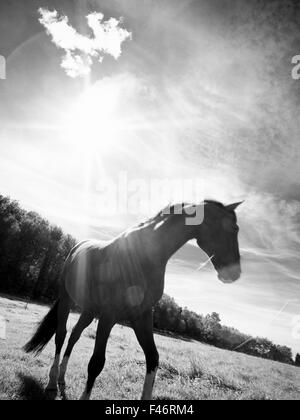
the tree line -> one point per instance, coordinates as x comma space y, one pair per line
32, 254
169, 316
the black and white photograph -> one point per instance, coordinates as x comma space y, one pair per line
149, 202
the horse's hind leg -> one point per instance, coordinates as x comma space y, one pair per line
97, 361
84, 321
61, 332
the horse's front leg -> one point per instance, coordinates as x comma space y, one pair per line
143, 328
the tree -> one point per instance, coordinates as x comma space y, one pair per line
297, 360
10, 218
32, 252
49, 260
282, 354
212, 326
167, 314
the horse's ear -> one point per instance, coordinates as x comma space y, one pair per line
233, 207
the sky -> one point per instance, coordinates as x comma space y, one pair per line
111, 109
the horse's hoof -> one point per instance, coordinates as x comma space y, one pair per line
85, 397
51, 388
62, 385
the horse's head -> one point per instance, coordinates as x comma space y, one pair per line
218, 237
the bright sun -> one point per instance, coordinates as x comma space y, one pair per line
96, 120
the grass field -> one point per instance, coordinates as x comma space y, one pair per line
188, 370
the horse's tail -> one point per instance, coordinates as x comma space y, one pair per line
44, 332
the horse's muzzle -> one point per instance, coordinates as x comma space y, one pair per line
230, 274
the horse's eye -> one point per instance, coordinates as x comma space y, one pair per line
227, 225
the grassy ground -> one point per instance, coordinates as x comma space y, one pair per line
189, 370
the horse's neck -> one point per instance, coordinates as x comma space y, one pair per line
171, 236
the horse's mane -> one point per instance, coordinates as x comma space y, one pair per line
163, 214
217, 203
171, 211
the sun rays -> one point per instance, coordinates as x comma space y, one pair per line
94, 120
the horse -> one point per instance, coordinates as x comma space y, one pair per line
122, 280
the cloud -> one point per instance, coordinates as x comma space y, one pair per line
80, 50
